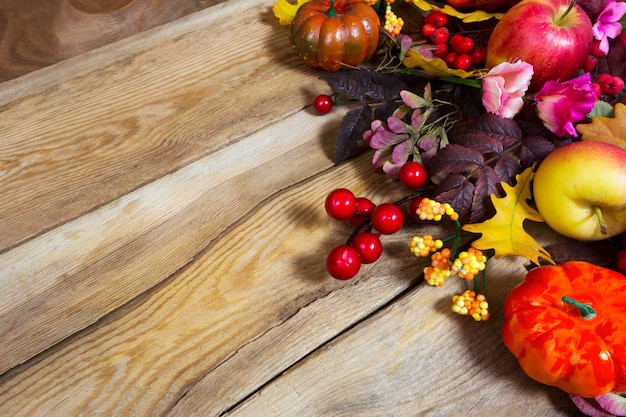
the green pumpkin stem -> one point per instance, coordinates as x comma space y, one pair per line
586, 311
331, 10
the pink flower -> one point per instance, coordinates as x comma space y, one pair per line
504, 87
560, 105
607, 25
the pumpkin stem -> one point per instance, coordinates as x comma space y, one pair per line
586, 311
331, 10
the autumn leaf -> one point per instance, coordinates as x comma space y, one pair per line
475, 16
504, 232
606, 129
436, 66
285, 10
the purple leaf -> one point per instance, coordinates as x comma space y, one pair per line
496, 126
589, 406
453, 159
457, 191
486, 184
613, 403
534, 148
506, 167
351, 129
480, 142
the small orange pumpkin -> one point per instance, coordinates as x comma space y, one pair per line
329, 33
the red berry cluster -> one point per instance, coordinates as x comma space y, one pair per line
370, 221
458, 51
606, 84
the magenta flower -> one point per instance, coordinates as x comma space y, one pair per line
607, 25
504, 87
560, 105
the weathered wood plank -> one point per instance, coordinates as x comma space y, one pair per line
80, 134
66, 279
36, 33
263, 272
415, 358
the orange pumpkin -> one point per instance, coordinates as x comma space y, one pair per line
329, 33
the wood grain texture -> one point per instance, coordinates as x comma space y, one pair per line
164, 235
35, 34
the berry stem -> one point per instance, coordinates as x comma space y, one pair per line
604, 229
586, 311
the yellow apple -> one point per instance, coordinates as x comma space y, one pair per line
580, 190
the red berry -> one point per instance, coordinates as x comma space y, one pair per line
450, 59
323, 104
603, 76
369, 247
340, 204
463, 62
462, 44
440, 35
412, 174
364, 208
442, 50
612, 85
343, 262
387, 218
596, 89
479, 54
436, 18
413, 205
427, 30
590, 63
595, 49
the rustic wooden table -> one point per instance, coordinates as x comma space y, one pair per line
163, 236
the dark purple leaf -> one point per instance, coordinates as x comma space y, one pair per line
534, 148
480, 142
457, 191
453, 159
506, 167
495, 126
361, 84
354, 124
487, 183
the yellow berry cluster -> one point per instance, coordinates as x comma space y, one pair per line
393, 23
433, 210
422, 246
439, 269
469, 263
470, 304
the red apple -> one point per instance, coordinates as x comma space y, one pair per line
554, 36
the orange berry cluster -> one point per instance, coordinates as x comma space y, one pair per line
470, 304
469, 263
433, 210
423, 246
439, 269
393, 24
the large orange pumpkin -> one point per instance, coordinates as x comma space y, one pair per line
329, 33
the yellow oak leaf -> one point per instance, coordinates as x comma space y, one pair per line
606, 129
470, 17
437, 66
285, 10
504, 232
